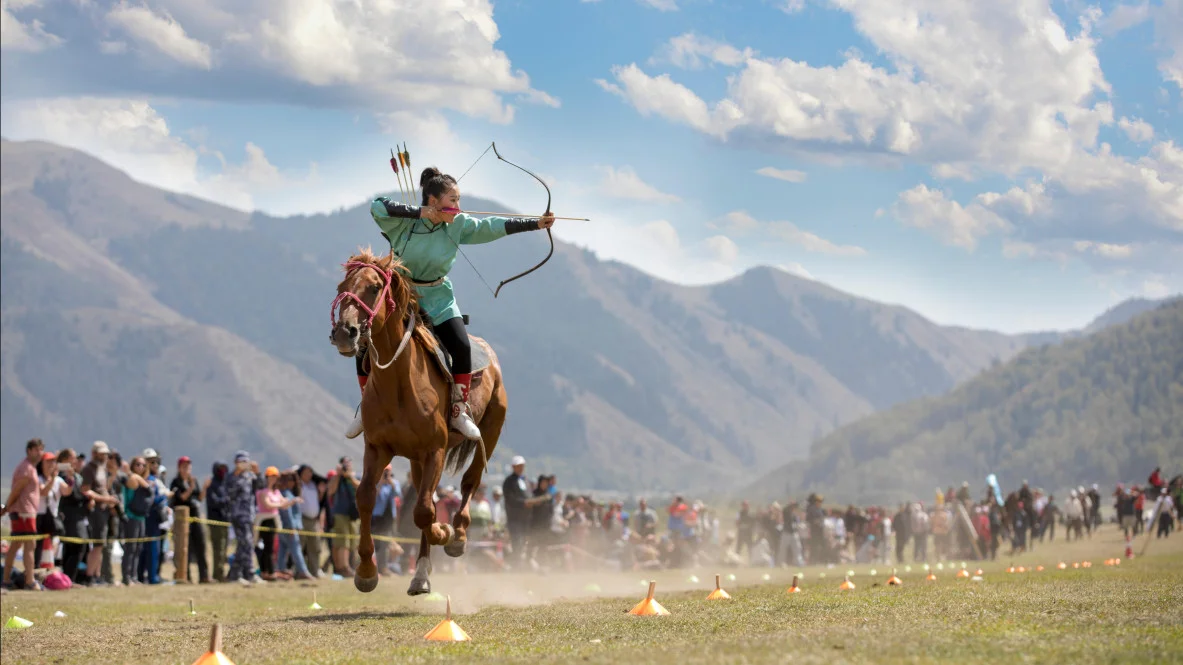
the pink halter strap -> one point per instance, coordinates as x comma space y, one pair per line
384, 295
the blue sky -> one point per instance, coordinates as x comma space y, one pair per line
1014, 165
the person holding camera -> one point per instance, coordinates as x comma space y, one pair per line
343, 492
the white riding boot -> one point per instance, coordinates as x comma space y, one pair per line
461, 419
355, 427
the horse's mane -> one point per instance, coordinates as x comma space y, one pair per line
400, 288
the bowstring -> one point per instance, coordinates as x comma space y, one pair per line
466, 259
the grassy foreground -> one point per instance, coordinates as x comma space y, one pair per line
1130, 613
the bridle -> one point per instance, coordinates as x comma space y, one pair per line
384, 296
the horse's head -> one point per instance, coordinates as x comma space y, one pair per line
372, 291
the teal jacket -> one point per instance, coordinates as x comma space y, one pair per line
428, 250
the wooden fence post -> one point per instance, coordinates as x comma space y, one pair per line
181, 543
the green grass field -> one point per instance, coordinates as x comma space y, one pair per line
1130, 613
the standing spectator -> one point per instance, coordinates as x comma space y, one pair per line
289, 519
1166, 515
517, 507
74, 511
919, 530
902, 522
1048, 518
745, 525
217, 509
343, 490
646, 520
150, 553
311, 488
137, 503
23, 500
50, 487
383, 518
240, 495
542, 510
1126, 513
188, 492
116, 477
96, 485
270, 501
1074, 515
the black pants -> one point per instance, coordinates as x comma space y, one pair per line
454, 336
197, 552
267, 553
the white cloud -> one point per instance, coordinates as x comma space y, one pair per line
931, 210
795, 268
624, 183
792, 6
16, 35
723, 248
966, 85
1137, 130
689, 50
1156, 288
661, 5
161, 33
1168, 31
377, 55
740, 223
788, 175
130, 135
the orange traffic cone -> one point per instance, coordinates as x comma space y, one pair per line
1076, 564
893, 580
718, 593
846, 585
963, 573
447, 630
649, 606
978, 572
931, 577
1039, 569
214, 656
1011, 569
1062, 565
1022, 569
794, 588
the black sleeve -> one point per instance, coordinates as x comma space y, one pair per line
396, 209
513, 226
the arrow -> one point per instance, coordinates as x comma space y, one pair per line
455, 211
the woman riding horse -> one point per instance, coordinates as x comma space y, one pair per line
426, 239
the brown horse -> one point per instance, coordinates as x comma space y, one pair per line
405, 407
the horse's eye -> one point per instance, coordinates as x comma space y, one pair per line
375, 288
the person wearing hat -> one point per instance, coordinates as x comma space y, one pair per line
518, 506
188, 492
342, 491
240, 495
96, 486
150, 554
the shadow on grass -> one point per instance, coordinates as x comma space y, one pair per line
352, 616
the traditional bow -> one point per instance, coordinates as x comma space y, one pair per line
493, 147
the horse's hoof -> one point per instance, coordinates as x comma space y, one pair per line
450, 535
419, 587
455, 548
365, 584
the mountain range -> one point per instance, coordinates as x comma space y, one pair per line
1104, 407
153, 319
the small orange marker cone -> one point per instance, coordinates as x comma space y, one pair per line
1022, 569
893, 580
794, 588
447, 630
1076, 564
1062, 565
978, 572
1087, 564
1039, 569
963, 573
1011, 569
846, 585
649, 606
931, 577
719, 593
214, 656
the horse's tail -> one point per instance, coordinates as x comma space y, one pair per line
457, 457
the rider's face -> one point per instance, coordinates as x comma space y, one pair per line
449, 199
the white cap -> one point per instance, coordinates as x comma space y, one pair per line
149, 453
517, 460
99, 448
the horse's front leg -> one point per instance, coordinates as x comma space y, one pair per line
366, 576
431, 532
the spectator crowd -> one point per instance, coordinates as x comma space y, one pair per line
106, 519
